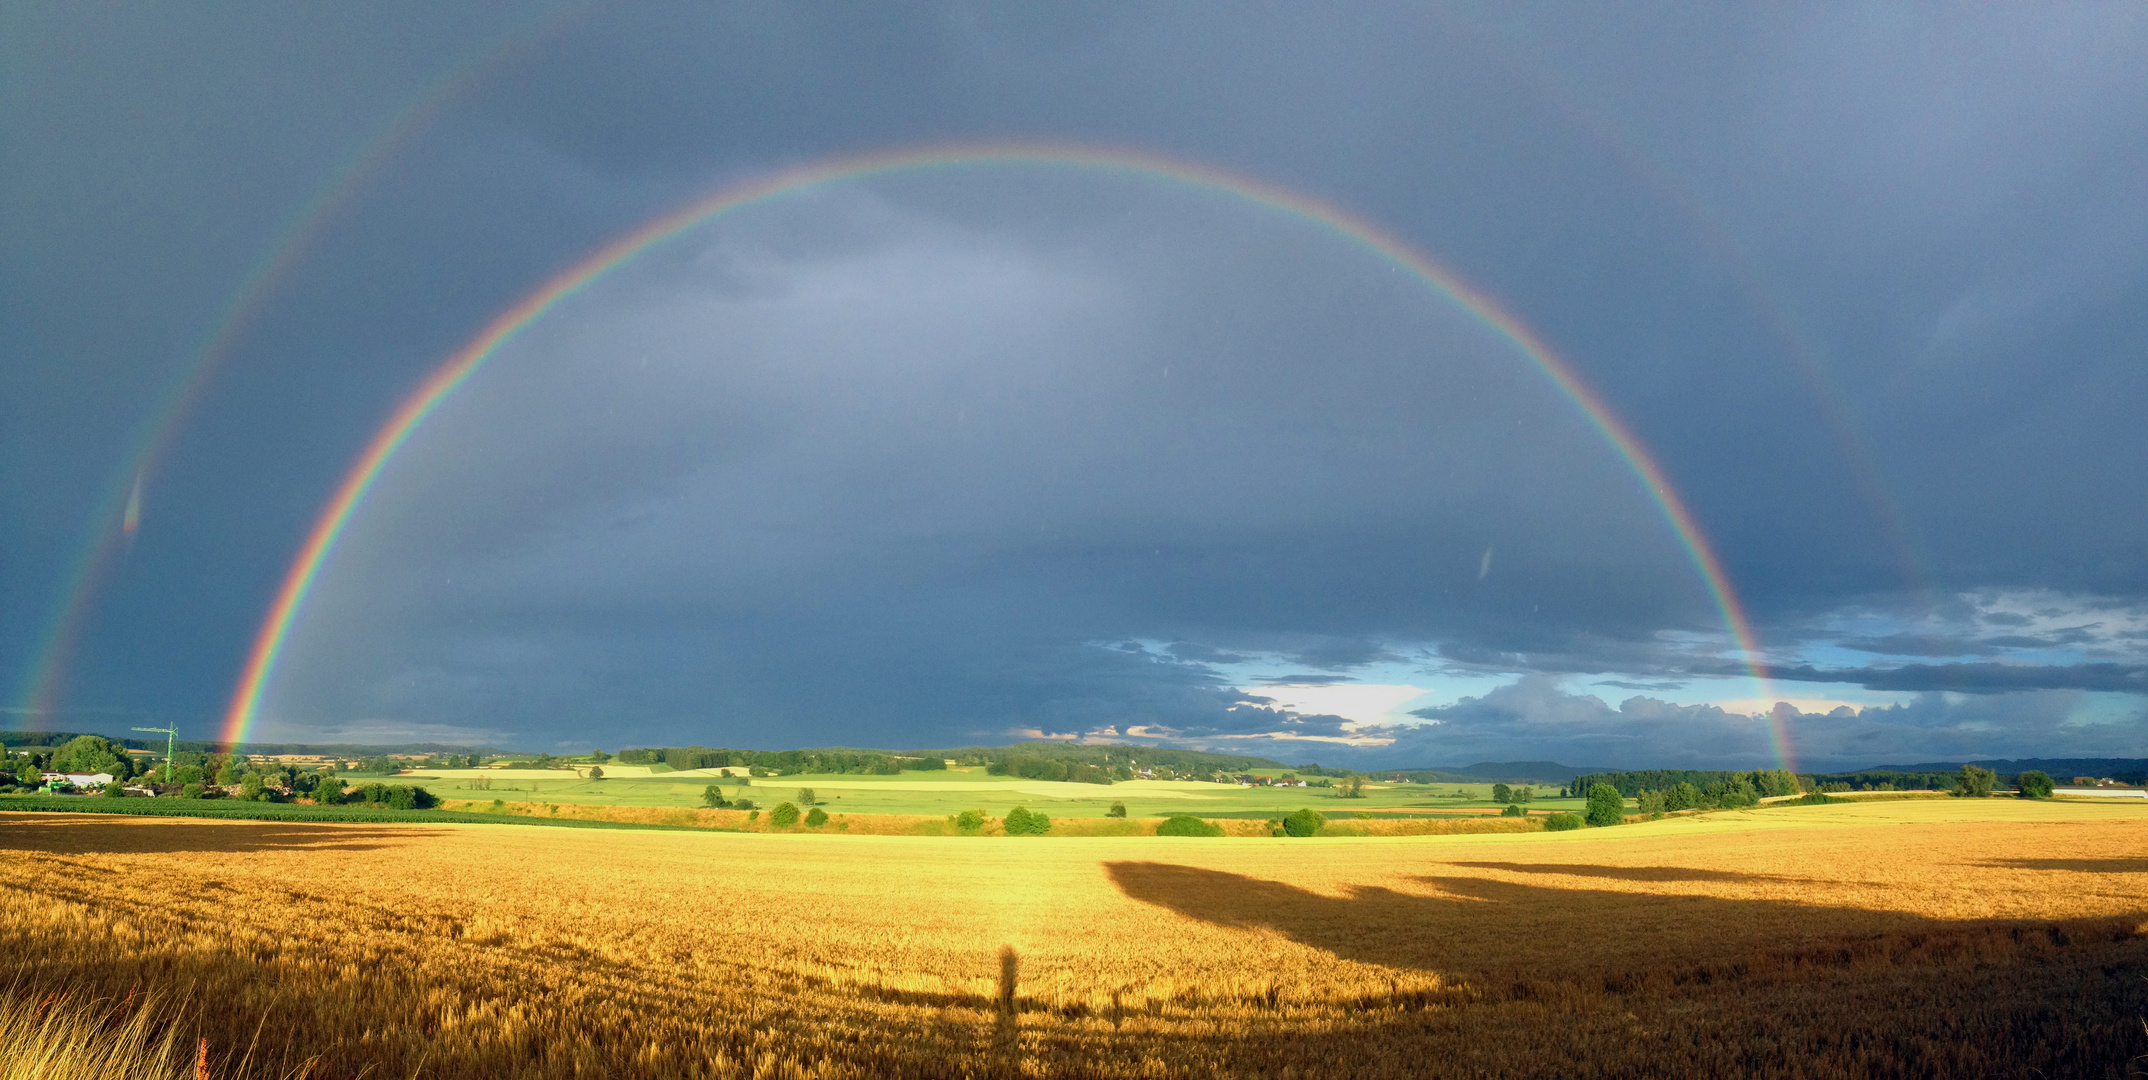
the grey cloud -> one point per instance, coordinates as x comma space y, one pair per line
1205, 654
903, 447
1982, 678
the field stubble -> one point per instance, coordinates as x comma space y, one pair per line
1900, 942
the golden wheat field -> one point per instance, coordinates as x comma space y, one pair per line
1897, 939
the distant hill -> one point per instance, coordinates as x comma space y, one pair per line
2129, 769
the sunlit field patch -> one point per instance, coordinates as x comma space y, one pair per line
1955, 937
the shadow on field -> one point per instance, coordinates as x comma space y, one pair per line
123, 837
1474, 925
1564, 982
1627, 873
2083, 866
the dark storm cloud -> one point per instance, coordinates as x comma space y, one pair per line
1982, 678
1869, 294
1188, 650
1644, 732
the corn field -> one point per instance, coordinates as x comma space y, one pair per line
1909, 946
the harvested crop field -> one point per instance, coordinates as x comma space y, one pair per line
1959, 937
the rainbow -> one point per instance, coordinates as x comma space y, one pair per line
119, 513
320, 542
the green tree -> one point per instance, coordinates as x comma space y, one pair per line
817, 818
1524, 794
1562, 822
596, 772
1975, 782
192, 791
1022, 821
1606, 807
1118, 809
599, 756
89, 754
712, 797
328, 791
808, 797
228, 775
1303, 823
1187, 825
1652, 803
402, 798
114, 790
783, 816
970, 820
2034, 784
745, 804
1512, 810
250, 785
1352, 787
1502, 793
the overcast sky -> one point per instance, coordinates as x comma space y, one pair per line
991, 450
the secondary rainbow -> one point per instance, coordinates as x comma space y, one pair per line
320, 542
112, 527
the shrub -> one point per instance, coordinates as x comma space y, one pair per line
1022, 821
744, 804
1606, 806
402, 798
753, 815
113, 790
970, 820
2034, 784
1303, 822
1188, 825
1562, 822
1512, 810
783, 816
1811, 798
712, 797
192, 791
1118, 809
817, 818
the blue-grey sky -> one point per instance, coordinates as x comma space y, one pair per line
983, 451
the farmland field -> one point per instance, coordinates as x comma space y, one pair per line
955, 790
1913, 937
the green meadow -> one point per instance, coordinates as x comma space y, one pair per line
956, 789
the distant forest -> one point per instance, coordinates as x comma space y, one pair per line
1035, 760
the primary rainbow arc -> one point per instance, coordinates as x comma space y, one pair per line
320, 541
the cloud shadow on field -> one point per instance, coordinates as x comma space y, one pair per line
1627, 873
1478, 925
2080, 866
133, 837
